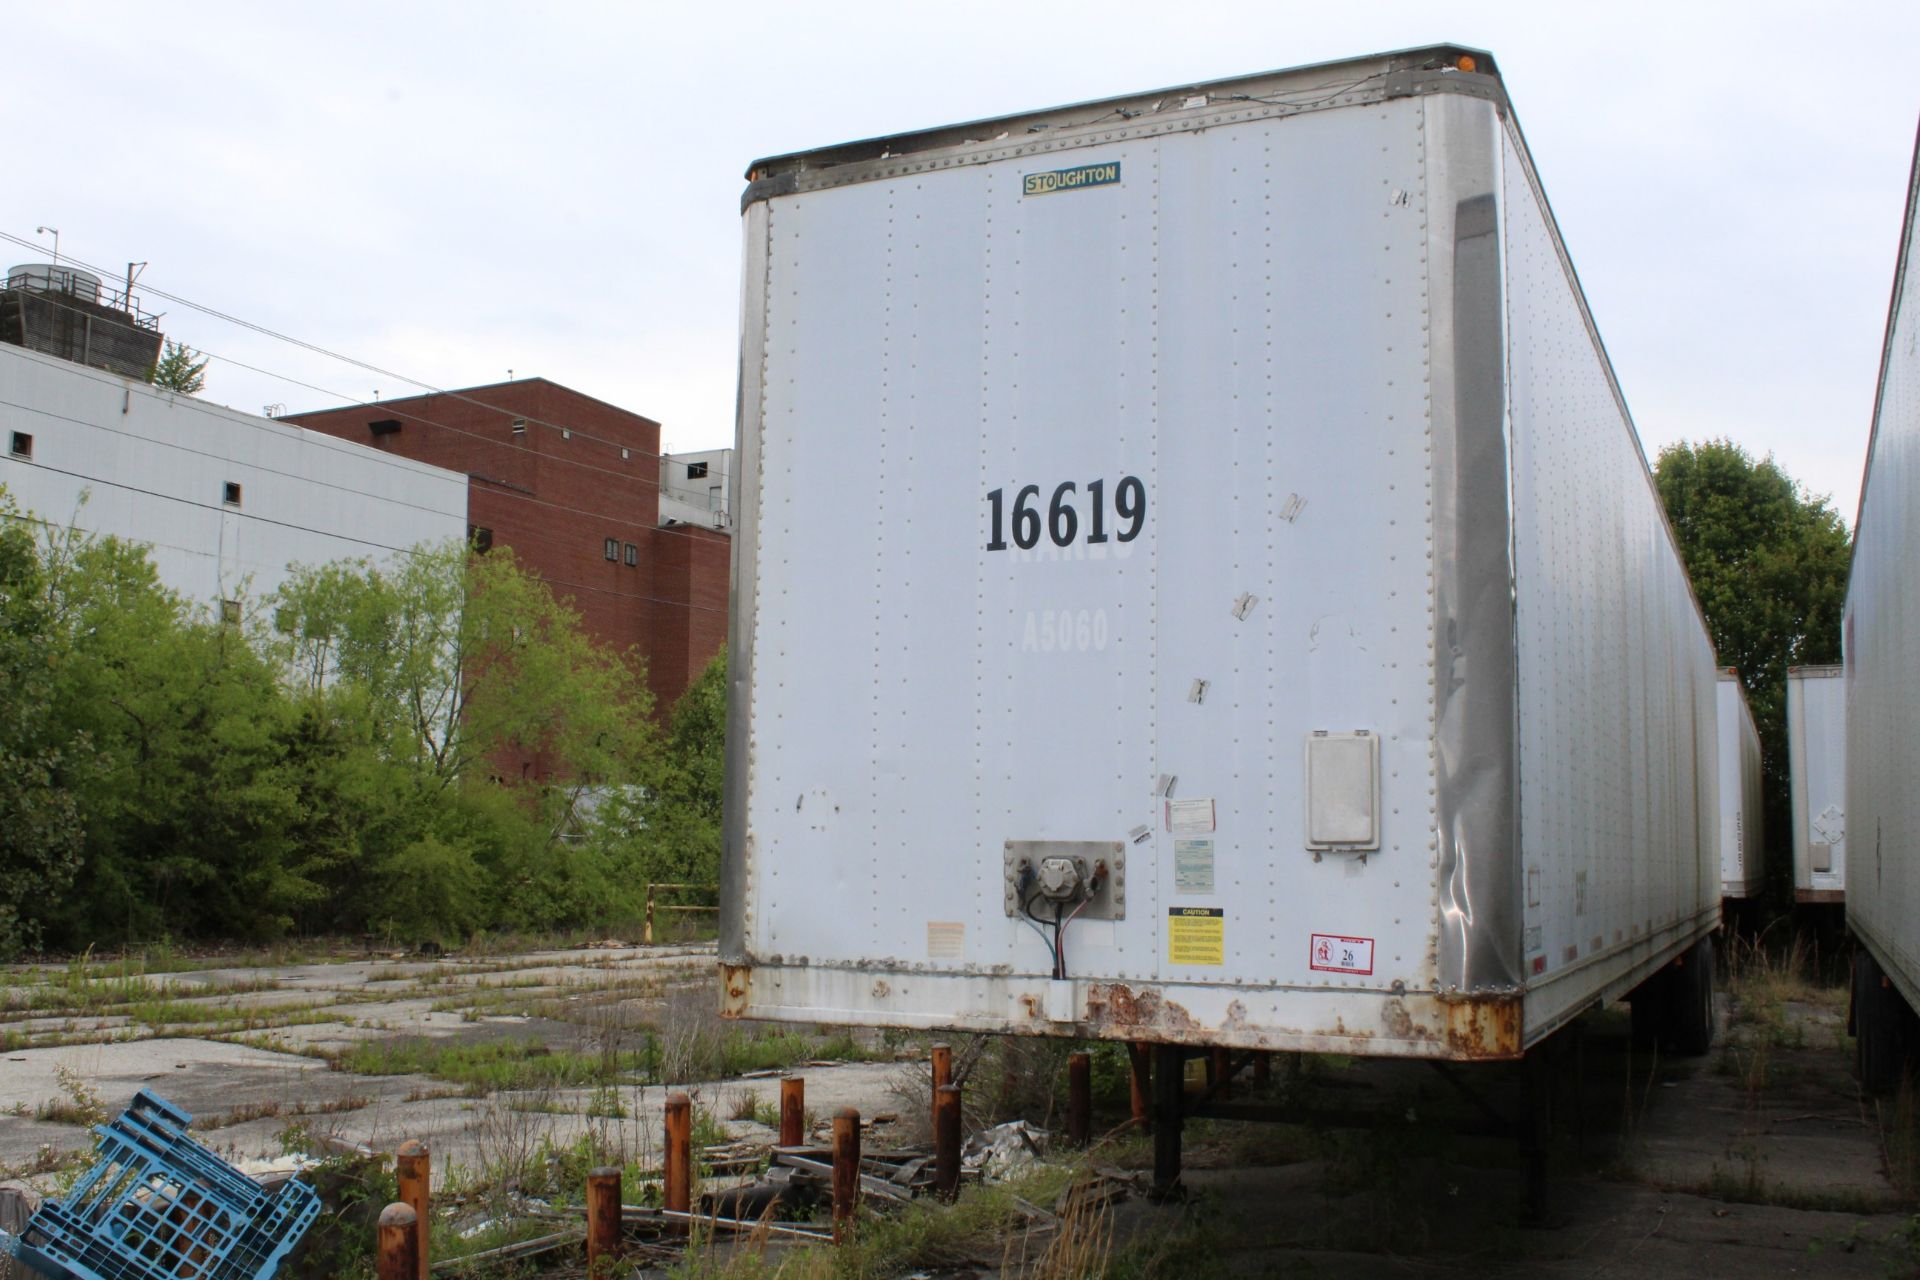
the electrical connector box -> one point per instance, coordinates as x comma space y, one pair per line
1100, 866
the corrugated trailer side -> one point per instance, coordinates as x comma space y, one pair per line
1342, 633
1882, 685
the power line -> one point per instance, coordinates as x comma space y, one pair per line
427, 387
390, 410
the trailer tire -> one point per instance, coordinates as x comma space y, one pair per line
1882, 1027
1690, 1004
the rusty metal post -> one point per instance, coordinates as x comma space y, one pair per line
679, 1188
413, 1168
1169, 1114
1140, 1081
398, 1244
846, 1172
1263, 1068
1079, 1099
793, 1111
603, 1218
946, 1141
1221, 1071
940, 1058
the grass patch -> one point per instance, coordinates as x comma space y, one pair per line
501, 1064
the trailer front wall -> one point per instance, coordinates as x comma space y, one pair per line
1883, 646
1618, 777
1741, 832
1238, 323
1817, 761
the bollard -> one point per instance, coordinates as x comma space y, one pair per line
941, 1061
793, 1111
603, 1218
679, 1189
1140, 1081
946, 1141
846, 1172
413, 1167
1222, 1072
1079, 1099
1263, 1068
398, 1255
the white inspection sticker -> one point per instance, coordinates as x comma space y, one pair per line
1190, 817
1333, 953
1193, 865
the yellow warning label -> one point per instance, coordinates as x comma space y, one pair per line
1196, 935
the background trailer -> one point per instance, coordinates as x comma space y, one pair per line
1196, 581
1817, 763
1742, 843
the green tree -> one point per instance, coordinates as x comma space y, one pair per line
668, 831
41, 832
180, 368
188, 814
1769, 564
434, 675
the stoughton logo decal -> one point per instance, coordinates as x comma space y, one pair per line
1087, 175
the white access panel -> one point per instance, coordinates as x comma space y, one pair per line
1619, 803
1882, 647
1741, 831
1817, 761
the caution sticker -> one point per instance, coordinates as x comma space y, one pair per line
1196, 935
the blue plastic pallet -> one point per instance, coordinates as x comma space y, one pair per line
156, 1205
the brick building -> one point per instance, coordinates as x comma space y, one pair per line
573, 485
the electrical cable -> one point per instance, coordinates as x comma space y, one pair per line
388, 408
427, 388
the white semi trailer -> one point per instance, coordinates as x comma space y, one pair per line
1882, 688
1196, 581
1817, 765
1741, 843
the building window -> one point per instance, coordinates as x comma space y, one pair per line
565, 434
519, 426
232, 498
696, 470
624, 455
384, 426
22, 445
480, 538
613, 548
230, 612
633, 554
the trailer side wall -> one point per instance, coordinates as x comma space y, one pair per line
1617, 730
1817, 759
1883, 645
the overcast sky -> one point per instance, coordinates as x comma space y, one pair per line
451, 191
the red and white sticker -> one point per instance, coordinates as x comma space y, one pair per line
1331, 953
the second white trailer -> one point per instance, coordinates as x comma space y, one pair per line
1882, 638
1817, 760
1741, 843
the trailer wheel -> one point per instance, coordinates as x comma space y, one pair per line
1690, 1005
1882, 1027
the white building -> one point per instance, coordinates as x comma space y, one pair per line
693, 489
228, 501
